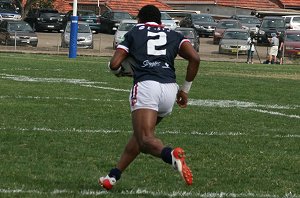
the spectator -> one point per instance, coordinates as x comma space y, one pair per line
251, 48
280, 48
274, 41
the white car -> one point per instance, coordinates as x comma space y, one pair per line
123, 28
292, 22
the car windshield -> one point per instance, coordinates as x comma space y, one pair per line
2, 10
296, 19
165, 16
293, 37
49, 15
86, 13
187, 33
19, 27
249, 20
82, 28
227, 25
126, 26
203, 18
273, 23
122, 15
7, 6
236, 35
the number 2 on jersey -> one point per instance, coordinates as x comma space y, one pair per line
153, 43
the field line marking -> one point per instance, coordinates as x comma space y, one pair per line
106, 131
207, 103
152, 193
192, 102
275, 113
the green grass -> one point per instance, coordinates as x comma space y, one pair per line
64, 123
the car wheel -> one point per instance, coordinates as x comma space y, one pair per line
63, 45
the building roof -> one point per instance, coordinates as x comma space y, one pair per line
131, 6
290, 3
252, 4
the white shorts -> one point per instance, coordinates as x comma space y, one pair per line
153, 95
274, 50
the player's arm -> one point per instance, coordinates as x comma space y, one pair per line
116, 60
187, 52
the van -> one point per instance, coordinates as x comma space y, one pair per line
269, 25
292, 22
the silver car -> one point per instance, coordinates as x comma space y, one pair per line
84, 36
11, 15
234, 41
167, 21
17, 33
123, 28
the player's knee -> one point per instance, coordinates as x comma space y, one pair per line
146, 143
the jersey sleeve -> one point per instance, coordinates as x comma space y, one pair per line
125, 44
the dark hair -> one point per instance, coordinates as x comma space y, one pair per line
149, 13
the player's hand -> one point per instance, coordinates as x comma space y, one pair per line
123, 73
182, 99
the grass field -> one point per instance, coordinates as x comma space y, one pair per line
64, 123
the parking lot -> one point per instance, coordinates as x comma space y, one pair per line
50, 43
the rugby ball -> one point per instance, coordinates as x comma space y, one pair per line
127, 67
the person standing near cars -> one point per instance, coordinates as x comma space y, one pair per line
251, 49
280, 47
274, 42
153, 48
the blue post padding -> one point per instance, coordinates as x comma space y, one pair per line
73, 37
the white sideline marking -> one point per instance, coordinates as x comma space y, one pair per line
196, 133
152, 193
236, 103
48, 80
275, 113
193, 102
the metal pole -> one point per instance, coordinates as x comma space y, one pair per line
73, 33
15, 41
237, 51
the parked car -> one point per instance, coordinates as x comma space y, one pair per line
110, 20
292, 43
17, 33
167, 21
123, 28
191, 34
11, 5
204, 24
222, 25
292, 22
84, 36
269, 25
234, 41
9, 15
44, 19
87, 16
249, 22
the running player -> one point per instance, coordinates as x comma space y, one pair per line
154, 92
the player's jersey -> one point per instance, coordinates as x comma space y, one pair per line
154, 49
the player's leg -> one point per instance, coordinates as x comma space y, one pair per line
130, 152
144, 122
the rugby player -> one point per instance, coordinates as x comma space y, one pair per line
153, 49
